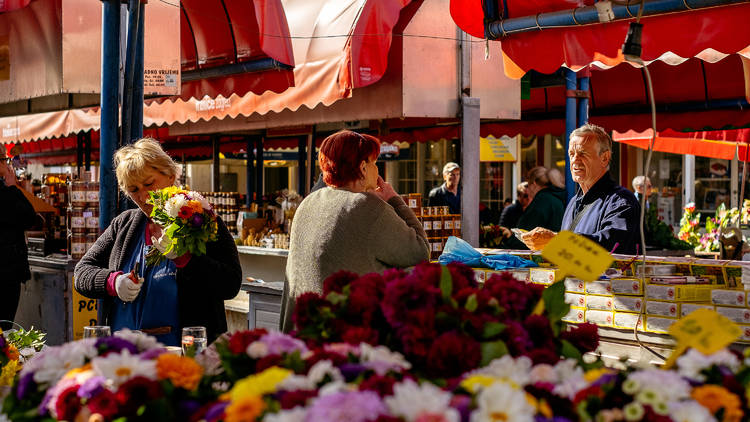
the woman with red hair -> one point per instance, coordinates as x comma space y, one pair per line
358, 223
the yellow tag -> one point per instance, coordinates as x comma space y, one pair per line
704, 330
539, 308
577, 255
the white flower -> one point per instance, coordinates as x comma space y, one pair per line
500, 401
174, 204
689, 411
633, 411
257, 350
515, 370
120, 367
321, 370
668, 385
294, 415
693, 362
57, 361
210, 360
141, 340
198, 197
570, 386
410, 401
334, 387
381, 359
295, 382
543, 373
567, 368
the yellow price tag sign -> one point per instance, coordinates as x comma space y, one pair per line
704, 330
577, 256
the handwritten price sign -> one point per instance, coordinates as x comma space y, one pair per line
704, 330
577, 256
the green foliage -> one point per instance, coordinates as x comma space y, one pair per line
661, 235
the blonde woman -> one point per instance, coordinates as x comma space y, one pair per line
160, 299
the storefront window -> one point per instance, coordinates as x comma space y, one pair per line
528, 154
712, 181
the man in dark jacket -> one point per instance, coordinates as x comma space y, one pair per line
16, 215
449, 193
601, 210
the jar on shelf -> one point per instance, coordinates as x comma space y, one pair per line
92, 194
92, 218
77, 220
78, 194
78, 245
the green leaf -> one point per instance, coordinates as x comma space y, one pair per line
492, 350
570, 351
554, 301
446, 283
491, 329
335, 298
471, 303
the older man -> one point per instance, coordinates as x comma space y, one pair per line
449, 193
601, 210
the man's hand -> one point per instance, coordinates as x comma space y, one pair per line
506, 232
384, 190
538, 238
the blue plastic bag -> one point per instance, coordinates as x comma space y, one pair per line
458, 250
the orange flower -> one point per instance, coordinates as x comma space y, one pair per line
715, 398
195, 206
246, 409
11, 352
182, 371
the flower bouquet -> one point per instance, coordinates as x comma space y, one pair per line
490, 236
128, 375
188, 221
16, 347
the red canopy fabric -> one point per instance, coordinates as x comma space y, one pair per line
10, 5
685, 34
721, 144
216, 33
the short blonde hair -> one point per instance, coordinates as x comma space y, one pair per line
132, 160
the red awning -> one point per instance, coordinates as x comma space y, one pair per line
11, 5
219, 33
721, 144
709, 34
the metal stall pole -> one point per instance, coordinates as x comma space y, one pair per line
470, 170
259, 172
570, 126
109, 110
309, 181
250, 171
215, 165
79, 153
87, 151
302, 164
134, 11
136, 127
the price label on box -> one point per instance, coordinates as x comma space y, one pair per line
577, 256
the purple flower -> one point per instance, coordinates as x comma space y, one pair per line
44, 405
91, 387
2, 342
25, 385
197, 220
215, 412
279, 343
351, 371
114, 344
351, 406
463, 405
187, 408
153, 353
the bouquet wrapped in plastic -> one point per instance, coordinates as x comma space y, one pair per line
188, 223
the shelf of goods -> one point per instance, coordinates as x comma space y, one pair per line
226, 205
672, 288
438, 224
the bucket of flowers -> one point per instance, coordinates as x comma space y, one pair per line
17, 345
188, 220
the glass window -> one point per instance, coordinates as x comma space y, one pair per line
712, 180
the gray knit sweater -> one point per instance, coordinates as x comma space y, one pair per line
335, 229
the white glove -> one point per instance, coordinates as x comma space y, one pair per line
162, 244
127, 290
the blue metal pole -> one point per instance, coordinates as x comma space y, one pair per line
589, 14
583, 103
250, 171
136, 128
109, 110
130, 59
570, 126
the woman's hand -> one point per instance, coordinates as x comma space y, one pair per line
384, 190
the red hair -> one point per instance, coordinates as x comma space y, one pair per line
341, 154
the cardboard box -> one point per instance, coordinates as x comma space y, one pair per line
662, 308
599, 303
679, 293
738, 315
598, 287
733, 274
574, 285
627, 303
575, 299
659, 324
714, 267
627, 320
600, 318
688, 308
745, 336
575, 315
627, 286
726, 297
480, 275
541, 275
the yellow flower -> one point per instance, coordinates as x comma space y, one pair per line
476, 382
246, 409
259, 384
172, 191
75, 371
182, 371
594, 374
9, 372
715, 398
541, 406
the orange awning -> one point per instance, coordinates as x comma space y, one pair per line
721, 144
